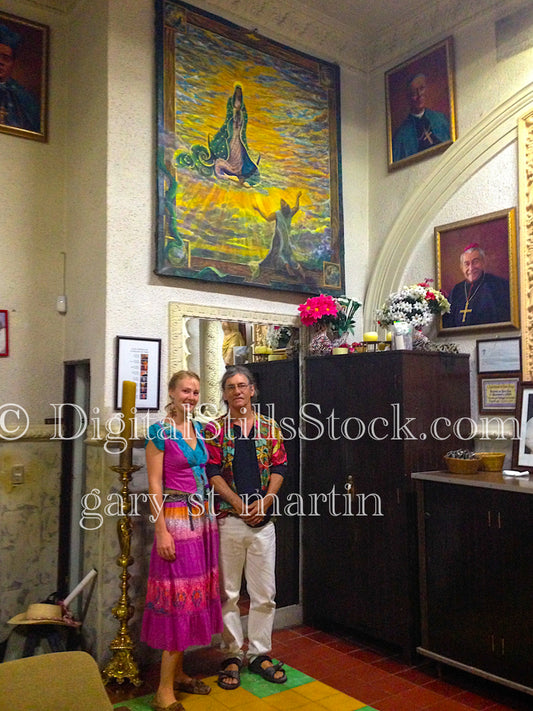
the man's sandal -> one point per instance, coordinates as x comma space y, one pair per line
269, 672
226, 673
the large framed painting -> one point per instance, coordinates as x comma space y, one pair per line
478, 271
421, 105
248, 157
23, 77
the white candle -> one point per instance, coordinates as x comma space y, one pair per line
399, 343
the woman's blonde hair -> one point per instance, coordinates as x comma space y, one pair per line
174, 380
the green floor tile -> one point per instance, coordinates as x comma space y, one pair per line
252, 683
141, 703
262, 688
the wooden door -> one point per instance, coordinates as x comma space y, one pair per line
278, 385
459, 573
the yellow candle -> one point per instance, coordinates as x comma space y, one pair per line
128, 404
370, 336
389, 336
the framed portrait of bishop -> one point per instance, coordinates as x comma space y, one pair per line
477, 271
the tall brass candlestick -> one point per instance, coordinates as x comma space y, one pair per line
122, 664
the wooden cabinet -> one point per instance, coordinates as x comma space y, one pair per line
477, 575
278, 396
368, 424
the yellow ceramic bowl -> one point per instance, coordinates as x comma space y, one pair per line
491, 461
462, 466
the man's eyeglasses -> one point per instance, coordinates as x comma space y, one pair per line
239, 386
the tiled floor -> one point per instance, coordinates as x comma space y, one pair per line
375, 676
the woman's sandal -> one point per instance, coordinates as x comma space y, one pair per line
194, 686
226, 673
269, 672
175, 706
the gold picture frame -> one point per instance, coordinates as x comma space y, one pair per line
487, 297
249, 181
420, 103
24, 49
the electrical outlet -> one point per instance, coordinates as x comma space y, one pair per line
17, 474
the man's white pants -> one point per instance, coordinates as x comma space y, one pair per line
252, 550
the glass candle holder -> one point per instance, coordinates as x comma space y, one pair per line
402, 336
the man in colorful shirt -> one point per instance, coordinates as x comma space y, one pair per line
247, 465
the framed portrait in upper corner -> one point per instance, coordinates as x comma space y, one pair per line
477, 269
248, 157
24, 48
420, 103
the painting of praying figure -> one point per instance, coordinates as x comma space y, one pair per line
248, 156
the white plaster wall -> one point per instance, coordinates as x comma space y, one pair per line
137, 303
482, 83
492, 188
86, 188
32, 234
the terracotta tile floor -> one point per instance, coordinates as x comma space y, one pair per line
374, 675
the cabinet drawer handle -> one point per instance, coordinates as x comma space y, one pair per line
350, 487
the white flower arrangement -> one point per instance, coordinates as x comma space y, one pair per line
417, 304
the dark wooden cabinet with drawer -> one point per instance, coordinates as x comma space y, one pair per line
477, 576
369, 425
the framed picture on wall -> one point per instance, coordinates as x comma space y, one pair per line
477, 269
523, 444
248, 157
23, 77
139, 361
498, 355
420, 105
497, 393
4, 333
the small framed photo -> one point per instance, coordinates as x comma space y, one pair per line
139, 360
497, 393
477, 269
24, 47
523, 444
421, 105
500, 355
4, 333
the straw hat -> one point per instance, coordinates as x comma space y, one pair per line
44, 614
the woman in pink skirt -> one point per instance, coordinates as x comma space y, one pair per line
182, 599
